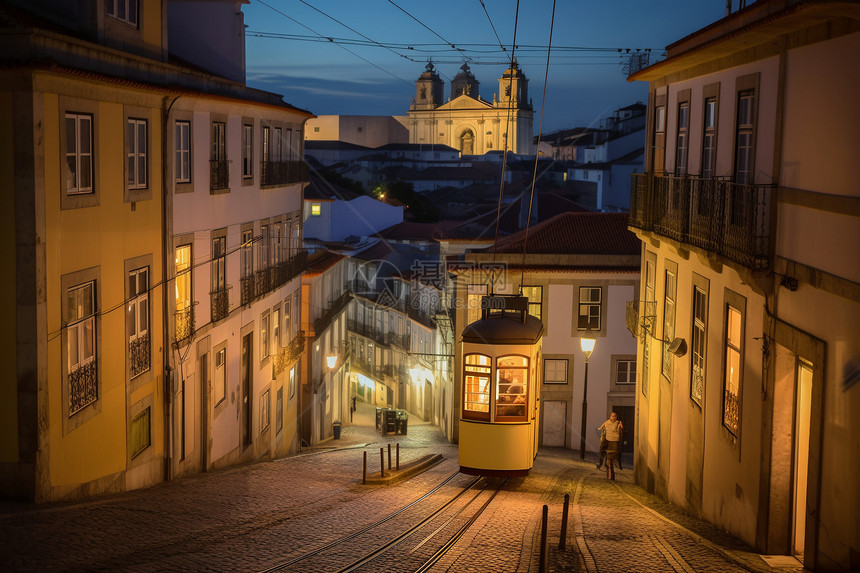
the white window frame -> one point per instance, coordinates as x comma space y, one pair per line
264, 335
80, 155
182, 143
122, 10
247, 151
219, 376
137, 139
630, 375
138, 311
589, 308
551, 368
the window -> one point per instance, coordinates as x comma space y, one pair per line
79, 153
264, 411
535, 295
625, 372
316, 209
141, 433
681, 147
219, 168
246, 263
122, 10
219, 381
554, 371
263, 258
659, 136
81, 346
297, 237
276, 330
184, 316
135, 144
474, 292
279, 409
264, 335
292, 382
288, 323
700, 316
731, 381
247, 151
276, 145
744, 143
668, 322
709, 139
650, 282
511, 386
182, 140
137, 319
476, 387
589, 308
219, 296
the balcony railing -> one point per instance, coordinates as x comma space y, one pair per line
247, 289
282, 172
138, 355
184, 323
263, 282
220, 304
335, 308
83, 386
219, 174
729, 219
631, 317
289, 354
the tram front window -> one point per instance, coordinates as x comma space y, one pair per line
476, 399
511, 387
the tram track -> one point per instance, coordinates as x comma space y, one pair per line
351, 552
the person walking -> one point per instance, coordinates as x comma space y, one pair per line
611, 429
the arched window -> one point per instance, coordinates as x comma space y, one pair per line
467, 143
512, 383
476, 387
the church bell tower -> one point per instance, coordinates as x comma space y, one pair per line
514, 88
428, 89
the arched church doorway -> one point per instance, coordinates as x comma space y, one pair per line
467, 143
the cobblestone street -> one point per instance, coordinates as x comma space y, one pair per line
251, 518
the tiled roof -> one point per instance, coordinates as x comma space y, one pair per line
321, 261
576, 233
320, 189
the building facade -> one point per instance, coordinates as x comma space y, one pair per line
750, 293
468, 122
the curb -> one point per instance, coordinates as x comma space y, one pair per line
406, 471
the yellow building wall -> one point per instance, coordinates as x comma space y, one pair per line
8, 362
104, 236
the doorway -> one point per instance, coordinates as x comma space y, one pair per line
554, 423
247, 342
801, 456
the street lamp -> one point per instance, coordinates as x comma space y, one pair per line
587, 345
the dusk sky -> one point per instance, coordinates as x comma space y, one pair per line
367, 69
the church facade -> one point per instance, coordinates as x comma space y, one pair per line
468, 122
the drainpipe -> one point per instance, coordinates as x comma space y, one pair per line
166, 354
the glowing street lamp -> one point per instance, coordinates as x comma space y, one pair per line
587, 345
330, 361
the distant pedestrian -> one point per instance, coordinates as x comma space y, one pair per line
611, 429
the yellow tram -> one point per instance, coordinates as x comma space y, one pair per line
500, 399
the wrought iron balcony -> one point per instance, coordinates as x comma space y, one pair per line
335, 307
83, 386
631, 317
247, 289
138, 355
726, 218
282, 172
219, 174
220, 304
289, 354
184, 323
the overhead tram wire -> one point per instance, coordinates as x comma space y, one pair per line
540, 130
340, 45
429, 28
374, 42
490, 20
506, 137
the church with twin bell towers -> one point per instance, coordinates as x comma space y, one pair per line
468, 122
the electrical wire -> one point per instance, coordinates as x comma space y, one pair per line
540, 130
490, 20
426, 27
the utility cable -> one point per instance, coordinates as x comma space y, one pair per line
490, 20
427, 27
540, 130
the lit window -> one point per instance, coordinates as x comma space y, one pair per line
700, 316
511, 386
476, 387
534, 294
316, 209
731, 383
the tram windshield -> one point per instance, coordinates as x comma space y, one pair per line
511, 386
477, 386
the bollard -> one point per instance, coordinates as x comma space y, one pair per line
364, 470
382, 462
543, 526
398, 455
389, 456
562, 539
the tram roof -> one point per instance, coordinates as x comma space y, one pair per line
504, 330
